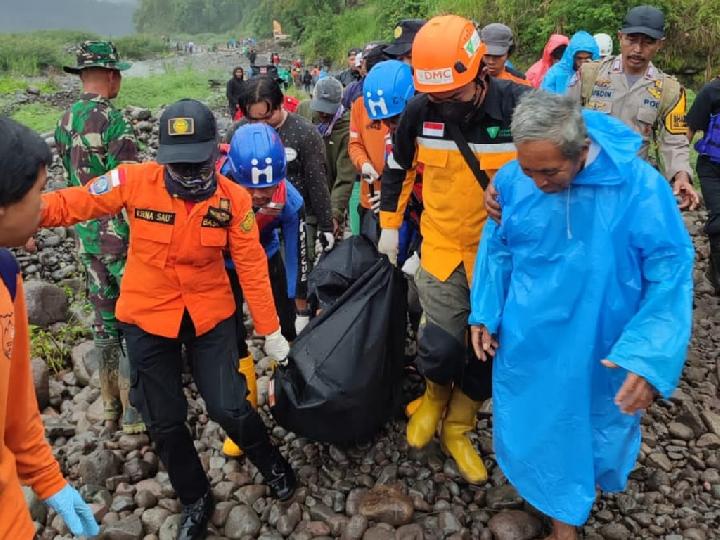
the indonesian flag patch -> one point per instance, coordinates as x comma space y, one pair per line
433, 129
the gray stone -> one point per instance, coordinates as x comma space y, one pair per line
221, 513
249, 494
356, 528
712, 421
129, 528
514, 525
242, 521
615, 531
85, 361
46, 303
448, 522
41, 381
146, 499
660, 460
122, 503
378, 533
98, 466
410, 532
503, 497
387, 504
681, 431
170, 527
153, 519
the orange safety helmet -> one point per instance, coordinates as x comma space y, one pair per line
446, 54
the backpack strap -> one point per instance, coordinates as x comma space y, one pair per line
470, 158
9, 271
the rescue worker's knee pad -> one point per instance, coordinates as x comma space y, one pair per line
440, 356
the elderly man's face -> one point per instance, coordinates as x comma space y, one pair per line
543, 161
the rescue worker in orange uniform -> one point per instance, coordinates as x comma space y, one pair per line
175, 292
25, 456
459, 102
499, 43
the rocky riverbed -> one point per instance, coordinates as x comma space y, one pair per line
383, 490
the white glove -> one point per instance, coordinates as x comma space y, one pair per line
301, 321
411, 265
388, 244
368, 172
325, 242
276, 346
375, 202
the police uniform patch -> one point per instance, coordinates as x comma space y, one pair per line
181, 126
246, 225
675, 120
600, 105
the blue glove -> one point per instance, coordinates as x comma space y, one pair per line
75, 513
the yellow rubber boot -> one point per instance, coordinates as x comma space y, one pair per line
459, 420
247, 368
425, 419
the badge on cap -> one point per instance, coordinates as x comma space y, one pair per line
398, 31
181, 126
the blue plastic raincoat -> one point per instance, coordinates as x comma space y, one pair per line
559, 76
600, 270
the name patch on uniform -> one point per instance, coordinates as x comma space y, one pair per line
600, 93
433, 129
207, 221
651, 103
156, 216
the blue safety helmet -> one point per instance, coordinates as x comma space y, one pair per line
257, 157
387, 89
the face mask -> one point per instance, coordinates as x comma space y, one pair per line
457, 112
191, 181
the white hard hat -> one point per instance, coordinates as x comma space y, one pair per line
605, 44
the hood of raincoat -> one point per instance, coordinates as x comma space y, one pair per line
538, 70
559, 75
618, 147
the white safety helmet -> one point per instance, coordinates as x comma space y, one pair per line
605, 44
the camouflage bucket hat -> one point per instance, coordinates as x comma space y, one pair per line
98, 54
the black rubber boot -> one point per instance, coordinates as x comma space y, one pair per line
195, 518
276, 471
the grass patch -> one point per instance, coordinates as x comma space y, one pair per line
155, 91
11, 85
38, 116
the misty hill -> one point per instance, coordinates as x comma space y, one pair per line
111, 18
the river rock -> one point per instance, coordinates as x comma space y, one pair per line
129, 528
170, 527
98, 466
242, 522
41, 381
46, 303
387, 504
503, 497
86, 361
153, 519
514, 525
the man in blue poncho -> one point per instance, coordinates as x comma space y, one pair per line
583, 293
582, 48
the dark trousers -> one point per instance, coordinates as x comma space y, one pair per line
284, 306
157, 392
709, 174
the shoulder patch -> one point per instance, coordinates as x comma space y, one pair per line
674, 120
248, 221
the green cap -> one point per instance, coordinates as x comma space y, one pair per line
97, 54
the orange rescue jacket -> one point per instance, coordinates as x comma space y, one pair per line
175, 259
25, 456
367, 143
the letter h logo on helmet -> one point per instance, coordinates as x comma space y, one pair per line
374, 105
267, 172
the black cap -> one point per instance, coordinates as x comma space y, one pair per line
405, 32
188, 133
646, 20
354, 50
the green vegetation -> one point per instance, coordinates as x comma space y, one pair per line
33, 53
55, 346
38, 116
157, 90
325, 29
10, 85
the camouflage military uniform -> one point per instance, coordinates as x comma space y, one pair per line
93, 138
